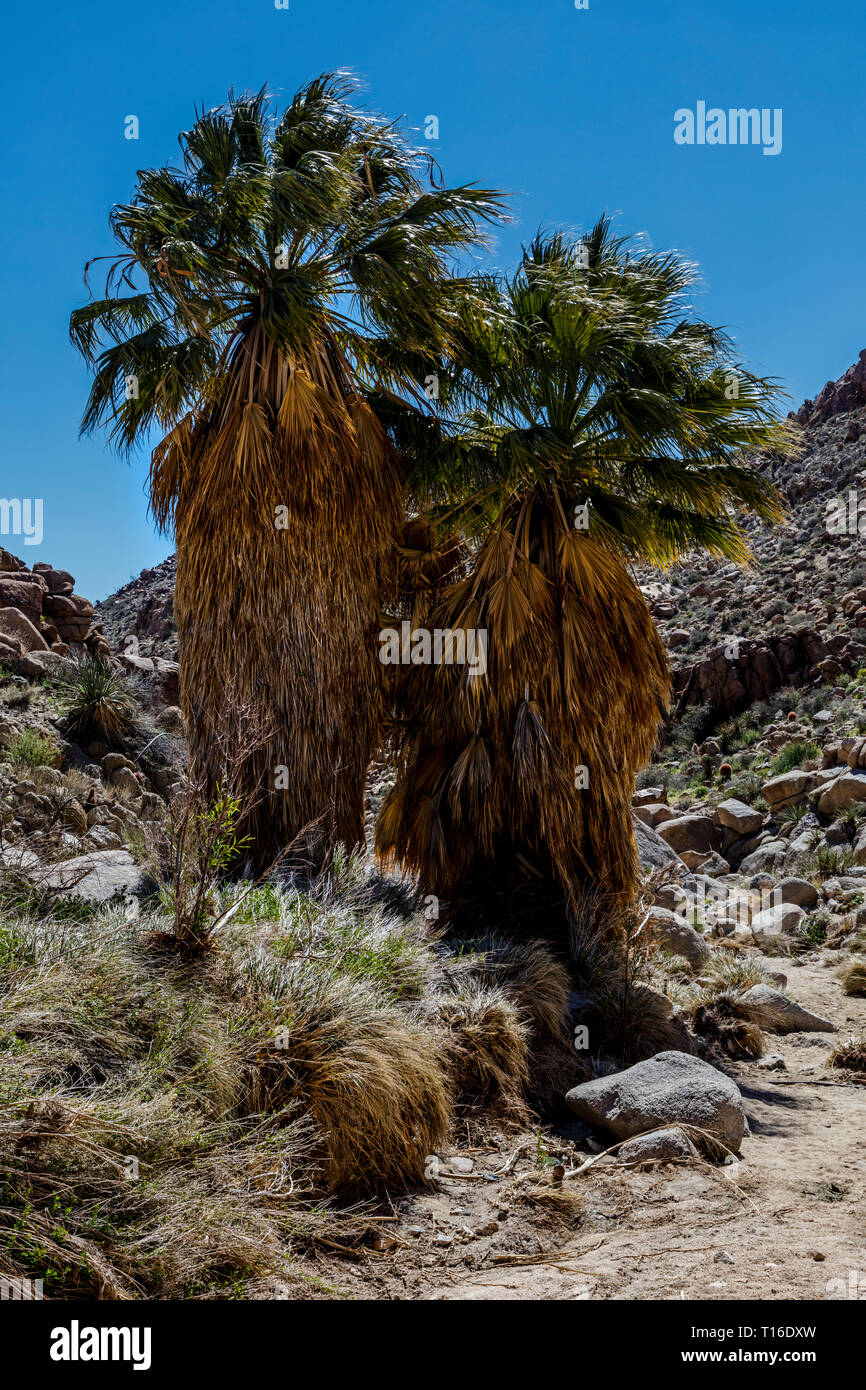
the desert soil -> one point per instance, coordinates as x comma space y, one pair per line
785, 1221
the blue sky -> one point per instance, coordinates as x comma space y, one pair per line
570, 111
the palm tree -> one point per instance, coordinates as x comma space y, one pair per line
294, 262
594, 423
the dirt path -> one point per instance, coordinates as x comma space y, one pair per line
786, 1221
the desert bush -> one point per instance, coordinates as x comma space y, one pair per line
795, 754
97, 705
485, 1048
527, 971
854, 978
32, 749
729, 1027
366, 1071
849, 1056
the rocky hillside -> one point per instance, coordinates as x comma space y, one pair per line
138, 619
799, 614
41, 613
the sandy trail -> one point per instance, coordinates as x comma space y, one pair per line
787, 1221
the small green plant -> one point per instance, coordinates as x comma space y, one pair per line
852, 818
792, 815
813, 928
828, 861
801, 751
203, 842
98, 707
32, 749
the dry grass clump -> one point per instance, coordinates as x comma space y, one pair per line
626, 1018
527, 971
367, 1073
485, 1048
728, 1026
854, 978
176, 1127
129, 1166
716, 1011
850, 1056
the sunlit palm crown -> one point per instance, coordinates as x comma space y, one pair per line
293, 263
598, 423
320, 223
588, 376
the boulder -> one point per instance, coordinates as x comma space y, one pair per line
681, 938
781, 917
778, 1014
100, 876
690, 832
652, 850
654, 812
17, 860
842, 792
648, 795
18, 630
126, 781
103, 838
785, 789
56, 581
770, 855
736, 815
662, 1146
39, 664
798, 891
22, 593
669, 1089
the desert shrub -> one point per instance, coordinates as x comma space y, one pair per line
827, 862
527, 971
485, 1048
851, 819
693, 727
366, 1071
729, 1027
32, 749
97, 705
653, 776
797, 753
813, 928
849, 1056
854, 978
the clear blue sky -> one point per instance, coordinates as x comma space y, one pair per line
571, 111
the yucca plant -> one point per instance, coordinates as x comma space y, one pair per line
295, 261
98, 706
588, 421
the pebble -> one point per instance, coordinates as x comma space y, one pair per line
773, 1062
458, 1164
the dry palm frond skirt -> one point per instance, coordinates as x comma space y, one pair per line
514, 784
286, 498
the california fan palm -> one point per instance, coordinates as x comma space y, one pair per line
290, 265
599, 424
